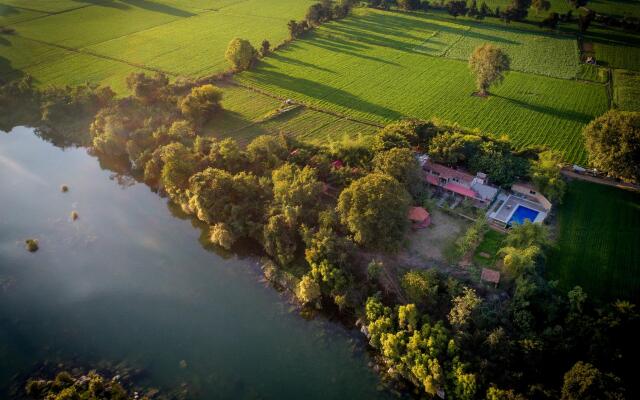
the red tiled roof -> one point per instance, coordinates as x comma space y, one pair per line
460, 190
449, 173
418, 214
432, 179
490, 275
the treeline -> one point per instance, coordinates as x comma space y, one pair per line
320, 212
516, 10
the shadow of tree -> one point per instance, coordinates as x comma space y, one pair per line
320, 91
105, 3
555, 112
288, 60
159, 7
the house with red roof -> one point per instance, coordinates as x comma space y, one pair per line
474, 188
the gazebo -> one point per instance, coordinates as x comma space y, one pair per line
419, 217
491, 276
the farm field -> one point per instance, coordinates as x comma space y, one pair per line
598, 241
615, 49
626, 90
366, 65
179, 37
246, 112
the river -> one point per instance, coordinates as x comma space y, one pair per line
130, 282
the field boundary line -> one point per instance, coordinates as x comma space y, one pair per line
306, 105
46, 13
98, 55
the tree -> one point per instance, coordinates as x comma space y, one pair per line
488, 63
308, 290
585, 382
179, 164
517, 10
298, 189
240, 54
484, 10
201, 103
265, 47
454, 147
473, 9
221, 235
457, 7
519, 260
266, 152
147, 89
315, 14
584, 20
541, 5
280, 237
408, 4
374, 208
421, 287
613, 143
463, 306
546, 177
528, 234
551, 21
401, 164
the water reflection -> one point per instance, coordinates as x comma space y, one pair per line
128, 281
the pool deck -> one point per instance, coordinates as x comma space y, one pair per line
506, 210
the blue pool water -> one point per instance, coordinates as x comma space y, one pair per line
523, 213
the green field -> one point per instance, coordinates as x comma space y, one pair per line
598, 243
245, 118
186, 38
626, 90
379, 67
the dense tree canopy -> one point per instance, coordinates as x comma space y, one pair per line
203, 101
613, 143
546, 176
374, 208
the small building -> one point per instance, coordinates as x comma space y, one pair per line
491, 276
419, 217
474, 188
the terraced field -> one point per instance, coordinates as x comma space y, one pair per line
598, 244
185, 38
380, 67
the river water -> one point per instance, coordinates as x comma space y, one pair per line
130, 282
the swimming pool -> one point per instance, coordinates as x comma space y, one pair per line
523, 213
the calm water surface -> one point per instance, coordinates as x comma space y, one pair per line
130, 282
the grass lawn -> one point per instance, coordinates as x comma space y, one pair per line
380, 67
598, 243
626, 90
491, 243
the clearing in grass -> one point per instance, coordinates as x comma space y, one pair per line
598, 245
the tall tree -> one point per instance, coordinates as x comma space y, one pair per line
240, 54
488, 63
546, 176
374, 208
203, 101
613, 143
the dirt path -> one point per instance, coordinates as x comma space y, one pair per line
600, 181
